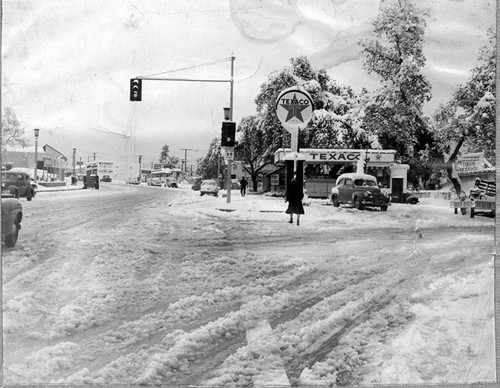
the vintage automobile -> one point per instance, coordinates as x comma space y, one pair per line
481, 199
196, 183
171, 182
209, 187
132, 181
106, 178
12, 214
16, 183
91, 181
359, 191
155, 182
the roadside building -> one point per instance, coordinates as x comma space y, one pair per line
323, 166
51, 164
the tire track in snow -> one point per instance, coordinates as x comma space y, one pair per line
275, 375
322, 348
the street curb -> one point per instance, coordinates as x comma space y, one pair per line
47, 190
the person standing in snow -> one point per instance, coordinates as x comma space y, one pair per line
243, 186
294, 195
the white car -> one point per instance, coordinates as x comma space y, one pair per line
209, 187
132, 181
155, 182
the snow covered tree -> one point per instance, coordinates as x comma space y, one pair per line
251, 148
274, 135
12, 132
339, 123
166, 159
395, 55
467, 121
336, 117
208, 166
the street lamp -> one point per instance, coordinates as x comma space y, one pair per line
37, 132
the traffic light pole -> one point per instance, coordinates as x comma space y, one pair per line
136, 95
230, 160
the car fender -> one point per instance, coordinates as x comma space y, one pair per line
13, 188
360, 194
334, 191
12, 208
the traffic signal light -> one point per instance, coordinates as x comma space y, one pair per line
228, 135
135, 89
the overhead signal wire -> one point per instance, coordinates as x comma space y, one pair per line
187, 68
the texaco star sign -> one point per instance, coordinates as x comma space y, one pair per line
294, 108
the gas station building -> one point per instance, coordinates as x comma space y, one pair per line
321, 168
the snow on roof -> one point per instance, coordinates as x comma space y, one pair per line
355, 175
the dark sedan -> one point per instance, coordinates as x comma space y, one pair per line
12, 214
359, 191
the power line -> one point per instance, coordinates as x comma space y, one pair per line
187, 68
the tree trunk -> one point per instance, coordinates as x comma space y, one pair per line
254, 183
449, 167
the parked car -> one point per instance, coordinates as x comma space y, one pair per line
91, 181
18, 184
358, 190
171, 182
410, 198
407, 197
209, 187
106, 178
155, 182
12, 214
235, 185
132, 181
196, 184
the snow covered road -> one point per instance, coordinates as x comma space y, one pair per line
146, 285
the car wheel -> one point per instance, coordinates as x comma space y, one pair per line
383, 208
335, 201
357, 203
202, 194
15, 193
11, 239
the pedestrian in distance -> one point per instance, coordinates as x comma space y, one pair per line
243, 186
294, 196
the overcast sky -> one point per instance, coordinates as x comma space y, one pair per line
67, 64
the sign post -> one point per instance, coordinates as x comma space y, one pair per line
228, 158
294, 108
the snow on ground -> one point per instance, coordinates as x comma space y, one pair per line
159, 286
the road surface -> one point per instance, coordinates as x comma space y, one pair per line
148, 285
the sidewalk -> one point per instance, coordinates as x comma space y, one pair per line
251, 202
68, 187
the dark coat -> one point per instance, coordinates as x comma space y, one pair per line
294, 195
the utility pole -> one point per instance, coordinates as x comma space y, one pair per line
185, 157
140, 166
73, 180
218, 166
94, 155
